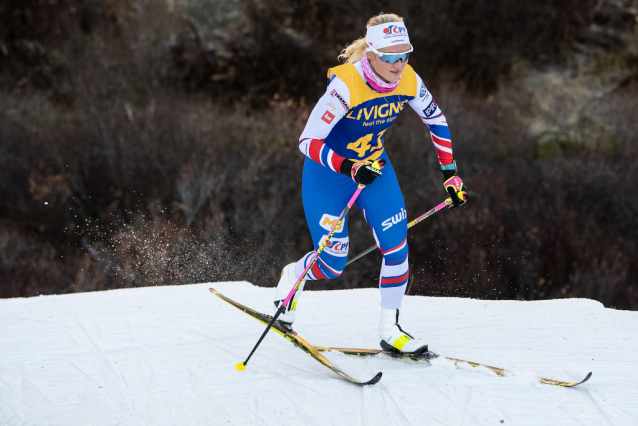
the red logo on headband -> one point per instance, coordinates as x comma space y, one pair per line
394, 29
328, 117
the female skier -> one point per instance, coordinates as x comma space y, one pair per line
342, 139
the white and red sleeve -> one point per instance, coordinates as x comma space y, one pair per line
424, 105
331, 108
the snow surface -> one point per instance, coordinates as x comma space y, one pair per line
166, 355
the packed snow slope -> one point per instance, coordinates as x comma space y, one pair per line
166, 355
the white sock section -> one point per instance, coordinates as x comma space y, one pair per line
392, 282
391, 298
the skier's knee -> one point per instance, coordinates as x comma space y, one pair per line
328, 267
397, 255
326, 271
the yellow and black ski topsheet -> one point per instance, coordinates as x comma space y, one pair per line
458, 362
296, 340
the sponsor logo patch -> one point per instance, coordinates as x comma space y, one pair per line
387, 224
430, 110
328, 117
393, 29
338, 96
375, 112
423, 90
328, 220
331, 106
336, 246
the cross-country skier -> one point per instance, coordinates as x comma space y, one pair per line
342, 139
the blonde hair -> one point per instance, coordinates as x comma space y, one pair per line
355, 51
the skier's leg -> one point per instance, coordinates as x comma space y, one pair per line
388, 221
325, 193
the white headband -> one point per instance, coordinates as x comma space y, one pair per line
388, 34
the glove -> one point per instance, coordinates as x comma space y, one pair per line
363, 172
455, 187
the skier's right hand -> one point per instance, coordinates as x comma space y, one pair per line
363, 172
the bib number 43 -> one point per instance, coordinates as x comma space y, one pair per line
363, 145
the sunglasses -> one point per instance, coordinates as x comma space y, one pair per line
391, 58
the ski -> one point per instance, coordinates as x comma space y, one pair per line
432, 355
293, 337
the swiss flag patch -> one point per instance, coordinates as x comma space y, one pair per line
328, 117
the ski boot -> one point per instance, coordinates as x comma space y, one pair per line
286, 283
394, 339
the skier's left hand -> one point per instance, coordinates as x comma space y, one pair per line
455, 187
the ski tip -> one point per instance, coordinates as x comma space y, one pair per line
566, 384
240, 366
571, 385
375, 379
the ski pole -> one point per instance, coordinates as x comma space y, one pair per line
241, 365
410, 225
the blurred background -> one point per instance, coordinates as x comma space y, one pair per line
154, 142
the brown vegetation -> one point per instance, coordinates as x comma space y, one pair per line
147, 143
